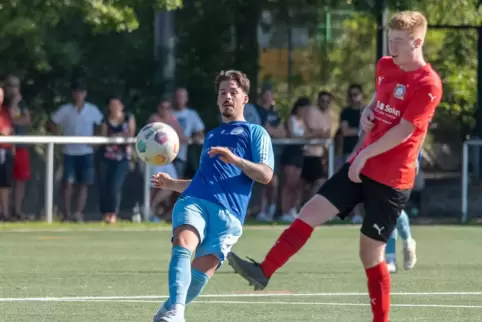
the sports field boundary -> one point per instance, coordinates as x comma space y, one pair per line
228, 295
13, 228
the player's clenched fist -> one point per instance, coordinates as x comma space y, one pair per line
225, 154
161, 180
366, 120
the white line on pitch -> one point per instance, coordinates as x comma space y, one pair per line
290, 303
231, 295
147, 229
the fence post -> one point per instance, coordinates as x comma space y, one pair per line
331, 159
49, 183
465, 180
147, 192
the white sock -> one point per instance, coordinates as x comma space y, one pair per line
179, 308
407, 243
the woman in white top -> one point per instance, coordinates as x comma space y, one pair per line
292, 162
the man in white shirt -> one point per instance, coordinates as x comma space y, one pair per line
192, 125
77, 119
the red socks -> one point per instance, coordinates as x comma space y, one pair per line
288, 244
379, 291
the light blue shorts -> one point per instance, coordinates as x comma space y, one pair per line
218, 229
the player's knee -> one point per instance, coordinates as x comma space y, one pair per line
372, 251
186, 236
317, 211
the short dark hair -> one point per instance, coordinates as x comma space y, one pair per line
324, 93
300, 102
78, 85
355, 86
235, 75
165, 98
114, 96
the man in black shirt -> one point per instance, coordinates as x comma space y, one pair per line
350, 119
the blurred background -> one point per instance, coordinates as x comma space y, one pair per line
148, 51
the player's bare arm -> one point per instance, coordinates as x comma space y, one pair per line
164, 181
366, 120
255, 171
398, 134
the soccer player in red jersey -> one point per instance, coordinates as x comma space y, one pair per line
381, 173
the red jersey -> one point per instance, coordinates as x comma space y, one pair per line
6, 125
412, 96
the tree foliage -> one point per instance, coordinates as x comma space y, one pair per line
110, 42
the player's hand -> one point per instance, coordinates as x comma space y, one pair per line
225, 154
366, 120
356, 167
161, 180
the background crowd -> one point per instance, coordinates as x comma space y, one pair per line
300, 169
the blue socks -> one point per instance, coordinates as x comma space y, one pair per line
179, 275
391, 248
198, 281
403, 226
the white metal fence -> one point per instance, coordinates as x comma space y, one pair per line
51, 141
465, 172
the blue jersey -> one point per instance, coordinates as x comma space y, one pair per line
223, 183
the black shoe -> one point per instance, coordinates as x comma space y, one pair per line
249, 270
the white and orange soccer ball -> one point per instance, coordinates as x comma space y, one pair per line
157, 144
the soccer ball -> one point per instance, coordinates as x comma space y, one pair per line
157, 144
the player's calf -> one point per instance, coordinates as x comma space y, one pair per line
185, 241
372, 254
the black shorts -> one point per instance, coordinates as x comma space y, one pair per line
292, 155
6, 169
312, 169
382, 203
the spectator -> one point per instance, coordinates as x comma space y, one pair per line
350, 119
6, 159
292, 162
192, 126
251, 114
319, 125
20, 115
350, 129
114, 158
271, 120
77, 119
163, 197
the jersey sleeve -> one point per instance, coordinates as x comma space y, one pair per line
261, 146
382, 64
422, 105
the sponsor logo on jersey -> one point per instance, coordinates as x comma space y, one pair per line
388, 109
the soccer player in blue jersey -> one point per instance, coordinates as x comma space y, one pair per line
208, 217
